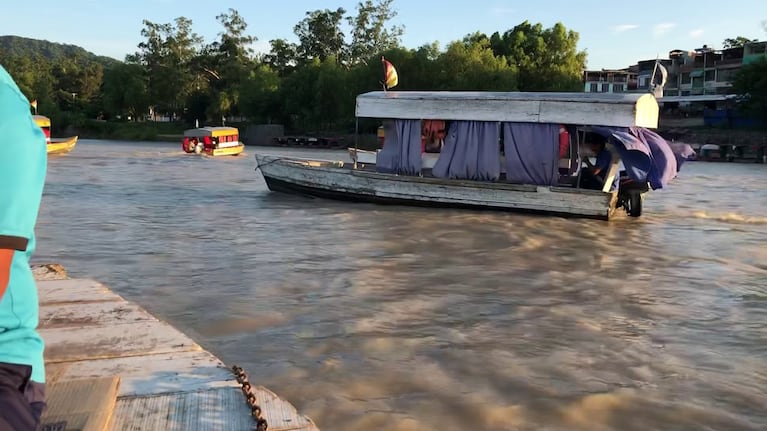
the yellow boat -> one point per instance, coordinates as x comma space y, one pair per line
54, 145
62, 145
213, 141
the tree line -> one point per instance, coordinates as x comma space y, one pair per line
309, 85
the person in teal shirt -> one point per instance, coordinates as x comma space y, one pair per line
23, 163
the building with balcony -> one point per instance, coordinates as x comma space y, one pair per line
609, 81
700, 72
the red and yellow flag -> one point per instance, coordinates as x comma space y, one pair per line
33, 103
390, 74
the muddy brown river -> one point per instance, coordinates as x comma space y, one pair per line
393, 318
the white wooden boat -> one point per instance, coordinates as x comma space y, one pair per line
428, 160
339, 180
369, 157
622, 119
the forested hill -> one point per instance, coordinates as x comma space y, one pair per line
16, 46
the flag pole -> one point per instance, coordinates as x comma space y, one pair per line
652, 79
356, 141
383, 65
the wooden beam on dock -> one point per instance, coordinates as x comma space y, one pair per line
166, 380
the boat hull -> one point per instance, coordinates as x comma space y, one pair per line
61, 145
227, 151
335, 180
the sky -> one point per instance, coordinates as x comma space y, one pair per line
615, 34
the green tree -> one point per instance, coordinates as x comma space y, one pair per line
229, 63
167, 54
282, 56
370, 36
297, 92
333, 102
751, 84
547, 59
320, 35
737, 42
84, 79
260, 99
125, 90
472, 65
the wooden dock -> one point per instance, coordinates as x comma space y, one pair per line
112, 366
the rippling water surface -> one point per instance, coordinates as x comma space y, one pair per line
393, 318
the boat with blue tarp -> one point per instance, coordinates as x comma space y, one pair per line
512, 151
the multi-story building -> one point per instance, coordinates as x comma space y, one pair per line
703, 71
700, 72
609, 81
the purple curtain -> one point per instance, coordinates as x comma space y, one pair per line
401, 153
471, 152
646, 156
683, 153
662, 155
532, 153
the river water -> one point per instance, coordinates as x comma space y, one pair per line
392, 318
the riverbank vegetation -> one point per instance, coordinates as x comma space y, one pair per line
308, 86
176, 78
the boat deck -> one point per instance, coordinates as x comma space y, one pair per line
566, 182
143, 373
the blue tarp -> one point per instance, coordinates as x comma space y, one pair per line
401, 153
532, 153
646, 156
471, 152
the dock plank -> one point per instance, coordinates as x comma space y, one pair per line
214, 409
91, 314
74, 290
84, 405
167, 381
101, 342
152, 374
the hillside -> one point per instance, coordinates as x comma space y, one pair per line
16, 46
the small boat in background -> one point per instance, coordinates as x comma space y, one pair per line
213, 141
61, 145
54, 145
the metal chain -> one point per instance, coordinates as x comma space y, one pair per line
250, 397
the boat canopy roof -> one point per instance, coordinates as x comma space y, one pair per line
602, 109
42, 120
211, 131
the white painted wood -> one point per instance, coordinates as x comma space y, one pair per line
604, 109
152, 374
613, 170
111, 341
166, 380
213, 409
371, 157
80, 314
73, 290
328, 176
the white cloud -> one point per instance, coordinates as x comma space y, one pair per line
662, 28
261, 46
697, 33
624, 28
502, 11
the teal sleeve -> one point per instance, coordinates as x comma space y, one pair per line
22, 168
